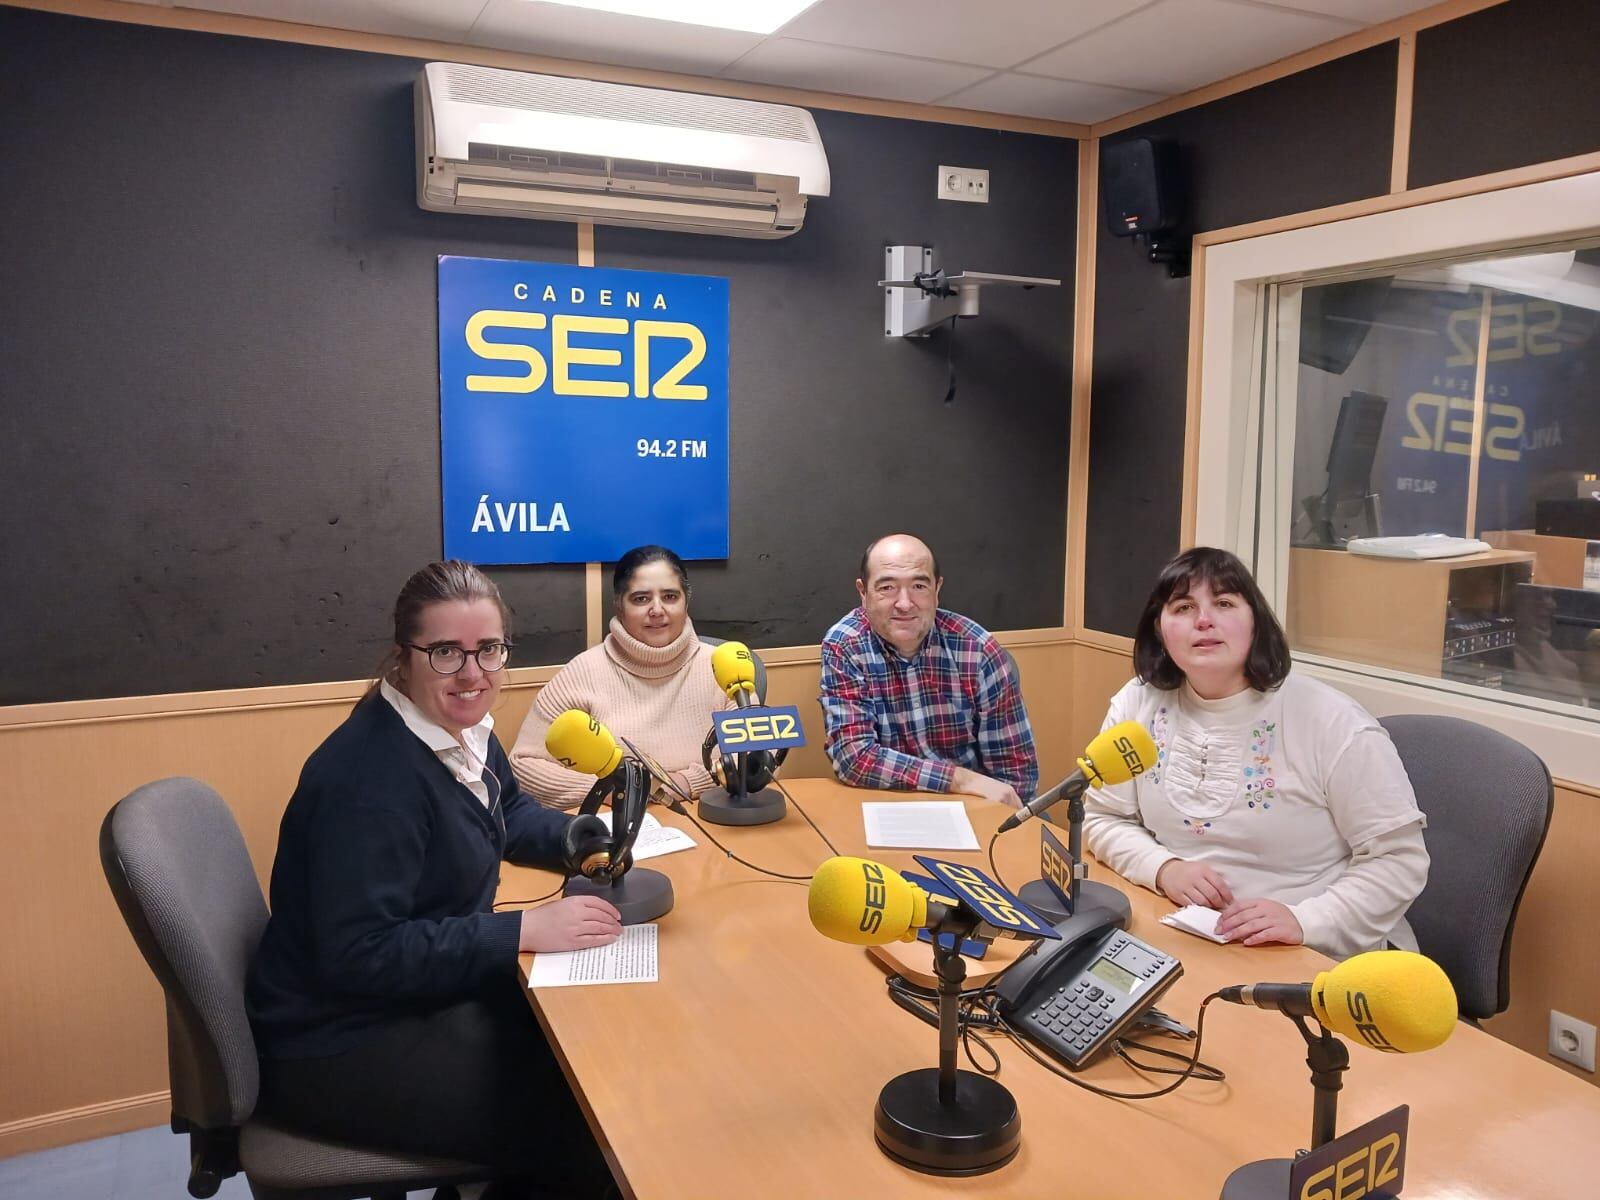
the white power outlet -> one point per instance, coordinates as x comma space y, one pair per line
1572, 1040
967, 184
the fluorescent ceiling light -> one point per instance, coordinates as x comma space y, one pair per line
751, 16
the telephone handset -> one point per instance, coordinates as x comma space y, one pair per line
1076, 996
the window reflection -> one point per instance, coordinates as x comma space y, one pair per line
1459, 399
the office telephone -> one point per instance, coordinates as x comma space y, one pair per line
1076, 996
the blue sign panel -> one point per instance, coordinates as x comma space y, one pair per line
947, 941
987, 898
741, 729
582, 411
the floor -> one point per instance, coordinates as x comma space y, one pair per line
148, 1164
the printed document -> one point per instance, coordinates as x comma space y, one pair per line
655, 839
629, 959
918, 825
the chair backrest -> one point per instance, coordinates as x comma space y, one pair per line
761, 667
180, 872
1488, 800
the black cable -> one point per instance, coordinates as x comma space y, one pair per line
785, 791
950, 360
683, 811
1193, 1066
994, 870
501, 905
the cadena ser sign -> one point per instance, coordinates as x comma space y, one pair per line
582, 411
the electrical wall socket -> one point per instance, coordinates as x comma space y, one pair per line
967, 184
1572, 1040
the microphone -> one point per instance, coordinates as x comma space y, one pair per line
1116, 756
735, 669
580, 743
865, 903
1391, 1000
602, 857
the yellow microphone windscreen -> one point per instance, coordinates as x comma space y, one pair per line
735, 667
1118, 754
1391, 1000
865, 903
579, 742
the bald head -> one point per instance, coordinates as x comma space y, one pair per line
899, 589
898, 548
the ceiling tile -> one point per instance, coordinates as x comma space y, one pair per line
1178, 45
565, 32
437, 19
1369, 12
1052, 99
792, 63
994, 33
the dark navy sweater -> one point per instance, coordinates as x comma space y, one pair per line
383, 887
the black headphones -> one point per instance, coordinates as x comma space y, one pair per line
588, 848
759, 765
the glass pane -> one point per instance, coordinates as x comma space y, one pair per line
1445, 501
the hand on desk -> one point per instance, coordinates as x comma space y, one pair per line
1185, 882
571, 923
1259, 923
973, 784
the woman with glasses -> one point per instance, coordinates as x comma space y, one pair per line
384, 995
649, 681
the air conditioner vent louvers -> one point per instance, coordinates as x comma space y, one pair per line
524, 156
586, 98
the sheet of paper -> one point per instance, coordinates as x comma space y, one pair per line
655, 839
629, 959
918, 825
1198, 920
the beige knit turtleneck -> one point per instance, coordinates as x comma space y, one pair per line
661, 699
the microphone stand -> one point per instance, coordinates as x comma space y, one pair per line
1083, 894
1329, 1059
638, 893
941, 1120
736, 804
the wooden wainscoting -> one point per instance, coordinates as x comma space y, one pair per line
83, 1042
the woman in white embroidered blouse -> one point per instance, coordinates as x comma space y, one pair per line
1274, 799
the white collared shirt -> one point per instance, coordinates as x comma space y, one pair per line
468, 763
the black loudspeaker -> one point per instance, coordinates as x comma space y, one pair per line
1141, 198
1138, 187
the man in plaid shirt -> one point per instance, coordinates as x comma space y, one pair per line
920, 698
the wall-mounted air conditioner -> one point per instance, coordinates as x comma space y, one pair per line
511, 144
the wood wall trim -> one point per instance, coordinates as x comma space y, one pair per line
1104, 641
289, 695
1191, 417
1082, 380
1559, 168
346, 39
304, 695
64, 1128
1362, 39
1404, 86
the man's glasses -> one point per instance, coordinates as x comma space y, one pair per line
448, 660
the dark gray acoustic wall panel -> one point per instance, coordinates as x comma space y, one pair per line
1319, 137
218, 371
840, 434
1515, 84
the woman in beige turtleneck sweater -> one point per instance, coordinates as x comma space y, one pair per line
649, 681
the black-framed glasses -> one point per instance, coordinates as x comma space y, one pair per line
448, 660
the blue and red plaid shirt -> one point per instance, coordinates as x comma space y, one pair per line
908, 723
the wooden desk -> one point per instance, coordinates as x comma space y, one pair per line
753, 1066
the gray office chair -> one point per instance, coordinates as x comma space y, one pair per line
1488, 800
182, 877
761, 667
